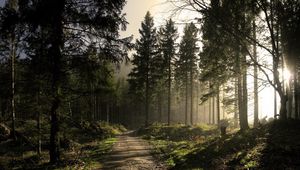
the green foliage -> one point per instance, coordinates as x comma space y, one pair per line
174, 142
265, 147
84, 145
186, 64
103, 129
146, 61
178, 132
167, 44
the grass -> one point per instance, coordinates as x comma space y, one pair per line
272, 146
173, 143
83, 145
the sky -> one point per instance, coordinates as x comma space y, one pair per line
135, 11
2, 2
160, 10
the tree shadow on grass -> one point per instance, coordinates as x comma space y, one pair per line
221, 152
282, 149
272, 146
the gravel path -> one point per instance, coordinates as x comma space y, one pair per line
131, 153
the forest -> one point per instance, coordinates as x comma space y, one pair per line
218, 91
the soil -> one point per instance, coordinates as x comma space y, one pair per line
131, 153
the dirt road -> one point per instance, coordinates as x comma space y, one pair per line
131, 153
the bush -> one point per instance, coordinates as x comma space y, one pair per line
177, 132
103, 129
4, 132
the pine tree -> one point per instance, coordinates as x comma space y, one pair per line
186, 65
145, 73
168, 35
68, 28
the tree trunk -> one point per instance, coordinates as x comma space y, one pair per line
283, 110
245, 98
240, 102
159, 106
213, 110
197, 103
192, 101
107, 113
290, 98
13, 112
296, 92
147, 99
256, 117
186, 98
13, 5
236, 103
169, 91
218, 106
56, 38
209, 111
39, 149
242, 94
54, 129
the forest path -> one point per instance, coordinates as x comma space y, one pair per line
131, 153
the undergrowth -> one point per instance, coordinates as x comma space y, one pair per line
83, 145
275, 145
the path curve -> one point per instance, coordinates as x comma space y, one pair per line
131, 153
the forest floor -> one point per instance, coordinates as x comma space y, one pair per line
99, 145
83, 146
275, 145
131, 153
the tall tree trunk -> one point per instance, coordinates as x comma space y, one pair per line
296, 91
70, 109
147, 95
240, 102
197, 103
169, 91
39, 149
245, 96
159, 106
236, 103
13, 112
209, 111
13, 5
213, 110
242, 93
56, 32
290, 98
256, 117
218, 106
275, 103
192, 101
280, 89
107, 112
186, 98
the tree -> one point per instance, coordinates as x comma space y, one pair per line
168, 36
144, 75
186, 66
9, 31
255, 83
222, 57
69, 27
289, 28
